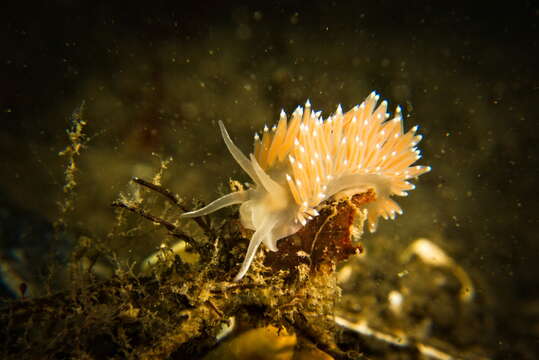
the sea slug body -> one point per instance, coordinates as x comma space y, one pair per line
306, 160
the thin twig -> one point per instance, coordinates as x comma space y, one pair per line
302, 328
172, 198
401, 341
215, 308
173, 229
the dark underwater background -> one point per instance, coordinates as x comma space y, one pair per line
156, 77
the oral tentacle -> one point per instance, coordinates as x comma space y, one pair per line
260, 234
224, 201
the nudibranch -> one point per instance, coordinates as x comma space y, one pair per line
305, 160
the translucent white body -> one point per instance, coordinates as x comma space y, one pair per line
302, 163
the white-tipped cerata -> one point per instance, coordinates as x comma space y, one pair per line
305, 160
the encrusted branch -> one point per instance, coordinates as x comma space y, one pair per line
174, 199
172, 229
179, 308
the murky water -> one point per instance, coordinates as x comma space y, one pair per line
155, 82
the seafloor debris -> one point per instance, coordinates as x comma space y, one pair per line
179, 307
